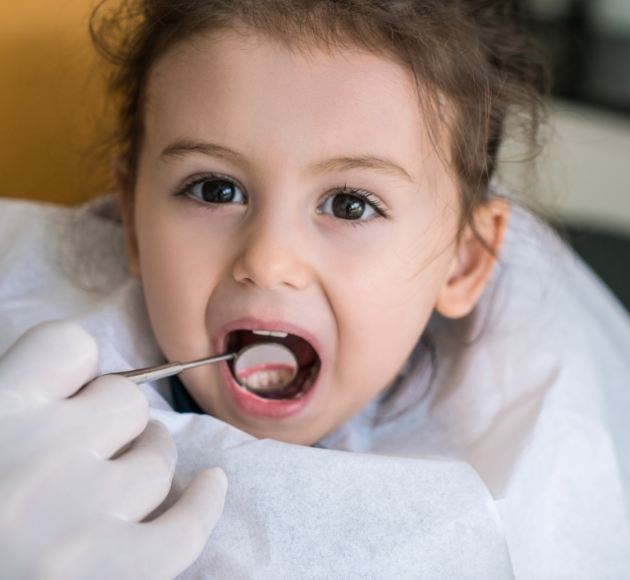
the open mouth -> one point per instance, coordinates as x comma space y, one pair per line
268, 380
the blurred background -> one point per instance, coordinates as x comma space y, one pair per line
583, 173
54, 119
51, 102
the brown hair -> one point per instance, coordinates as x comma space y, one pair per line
473, 62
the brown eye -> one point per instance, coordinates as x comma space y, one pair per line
217, 191
350, 206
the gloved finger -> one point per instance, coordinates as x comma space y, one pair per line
174, 540
54, 359
109, 413
143, 474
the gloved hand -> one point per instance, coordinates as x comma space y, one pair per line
79, 473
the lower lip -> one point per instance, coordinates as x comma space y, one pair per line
269, 408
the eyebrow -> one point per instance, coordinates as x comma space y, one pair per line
183, 147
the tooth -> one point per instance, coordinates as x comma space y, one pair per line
267, 380
276, 333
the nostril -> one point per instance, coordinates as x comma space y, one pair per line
247, 281
240, 274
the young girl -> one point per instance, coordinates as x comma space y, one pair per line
316, 174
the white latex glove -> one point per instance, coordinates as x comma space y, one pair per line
71, 502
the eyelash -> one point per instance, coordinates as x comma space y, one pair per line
369, 198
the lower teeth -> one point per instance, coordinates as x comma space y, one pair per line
276, 389
268, 380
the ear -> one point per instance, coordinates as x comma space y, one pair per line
473, 261
124, 188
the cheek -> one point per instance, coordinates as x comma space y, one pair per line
177, 274
382, 308
392, 274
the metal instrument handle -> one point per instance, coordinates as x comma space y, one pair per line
170, 369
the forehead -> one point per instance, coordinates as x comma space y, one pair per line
263, 97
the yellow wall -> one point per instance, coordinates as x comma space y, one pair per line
51, 95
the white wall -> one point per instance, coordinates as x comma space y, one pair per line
583, 173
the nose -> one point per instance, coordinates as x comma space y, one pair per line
272, 257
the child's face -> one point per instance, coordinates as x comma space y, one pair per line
274, 247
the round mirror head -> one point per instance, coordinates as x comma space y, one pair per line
265, 367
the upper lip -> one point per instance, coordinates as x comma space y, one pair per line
252, 323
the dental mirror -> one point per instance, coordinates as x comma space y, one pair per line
260, 368
265, 367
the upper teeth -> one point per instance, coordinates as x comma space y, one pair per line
278, 334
